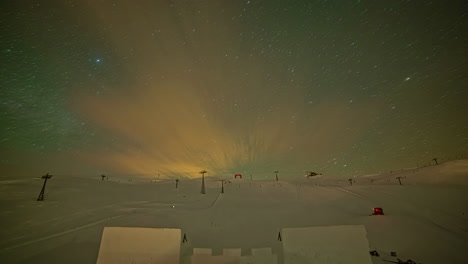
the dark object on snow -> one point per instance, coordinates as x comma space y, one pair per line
378, 211
41, 194
103, 177
393, 254
399, 180
374, 253
311, 174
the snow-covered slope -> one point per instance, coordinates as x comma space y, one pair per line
425, 218
448, 173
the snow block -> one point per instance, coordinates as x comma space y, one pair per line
202, 251
326, 244
260, 256
121, 245
233, 256
203, 256
236, 252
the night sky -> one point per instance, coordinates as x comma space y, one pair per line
174, 87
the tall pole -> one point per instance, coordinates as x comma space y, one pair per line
203, 181
276, 172
399, 180
222, 186
41, 194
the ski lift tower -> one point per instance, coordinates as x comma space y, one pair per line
41, 195
203, 181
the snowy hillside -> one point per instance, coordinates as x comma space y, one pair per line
448, 173
425, 218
